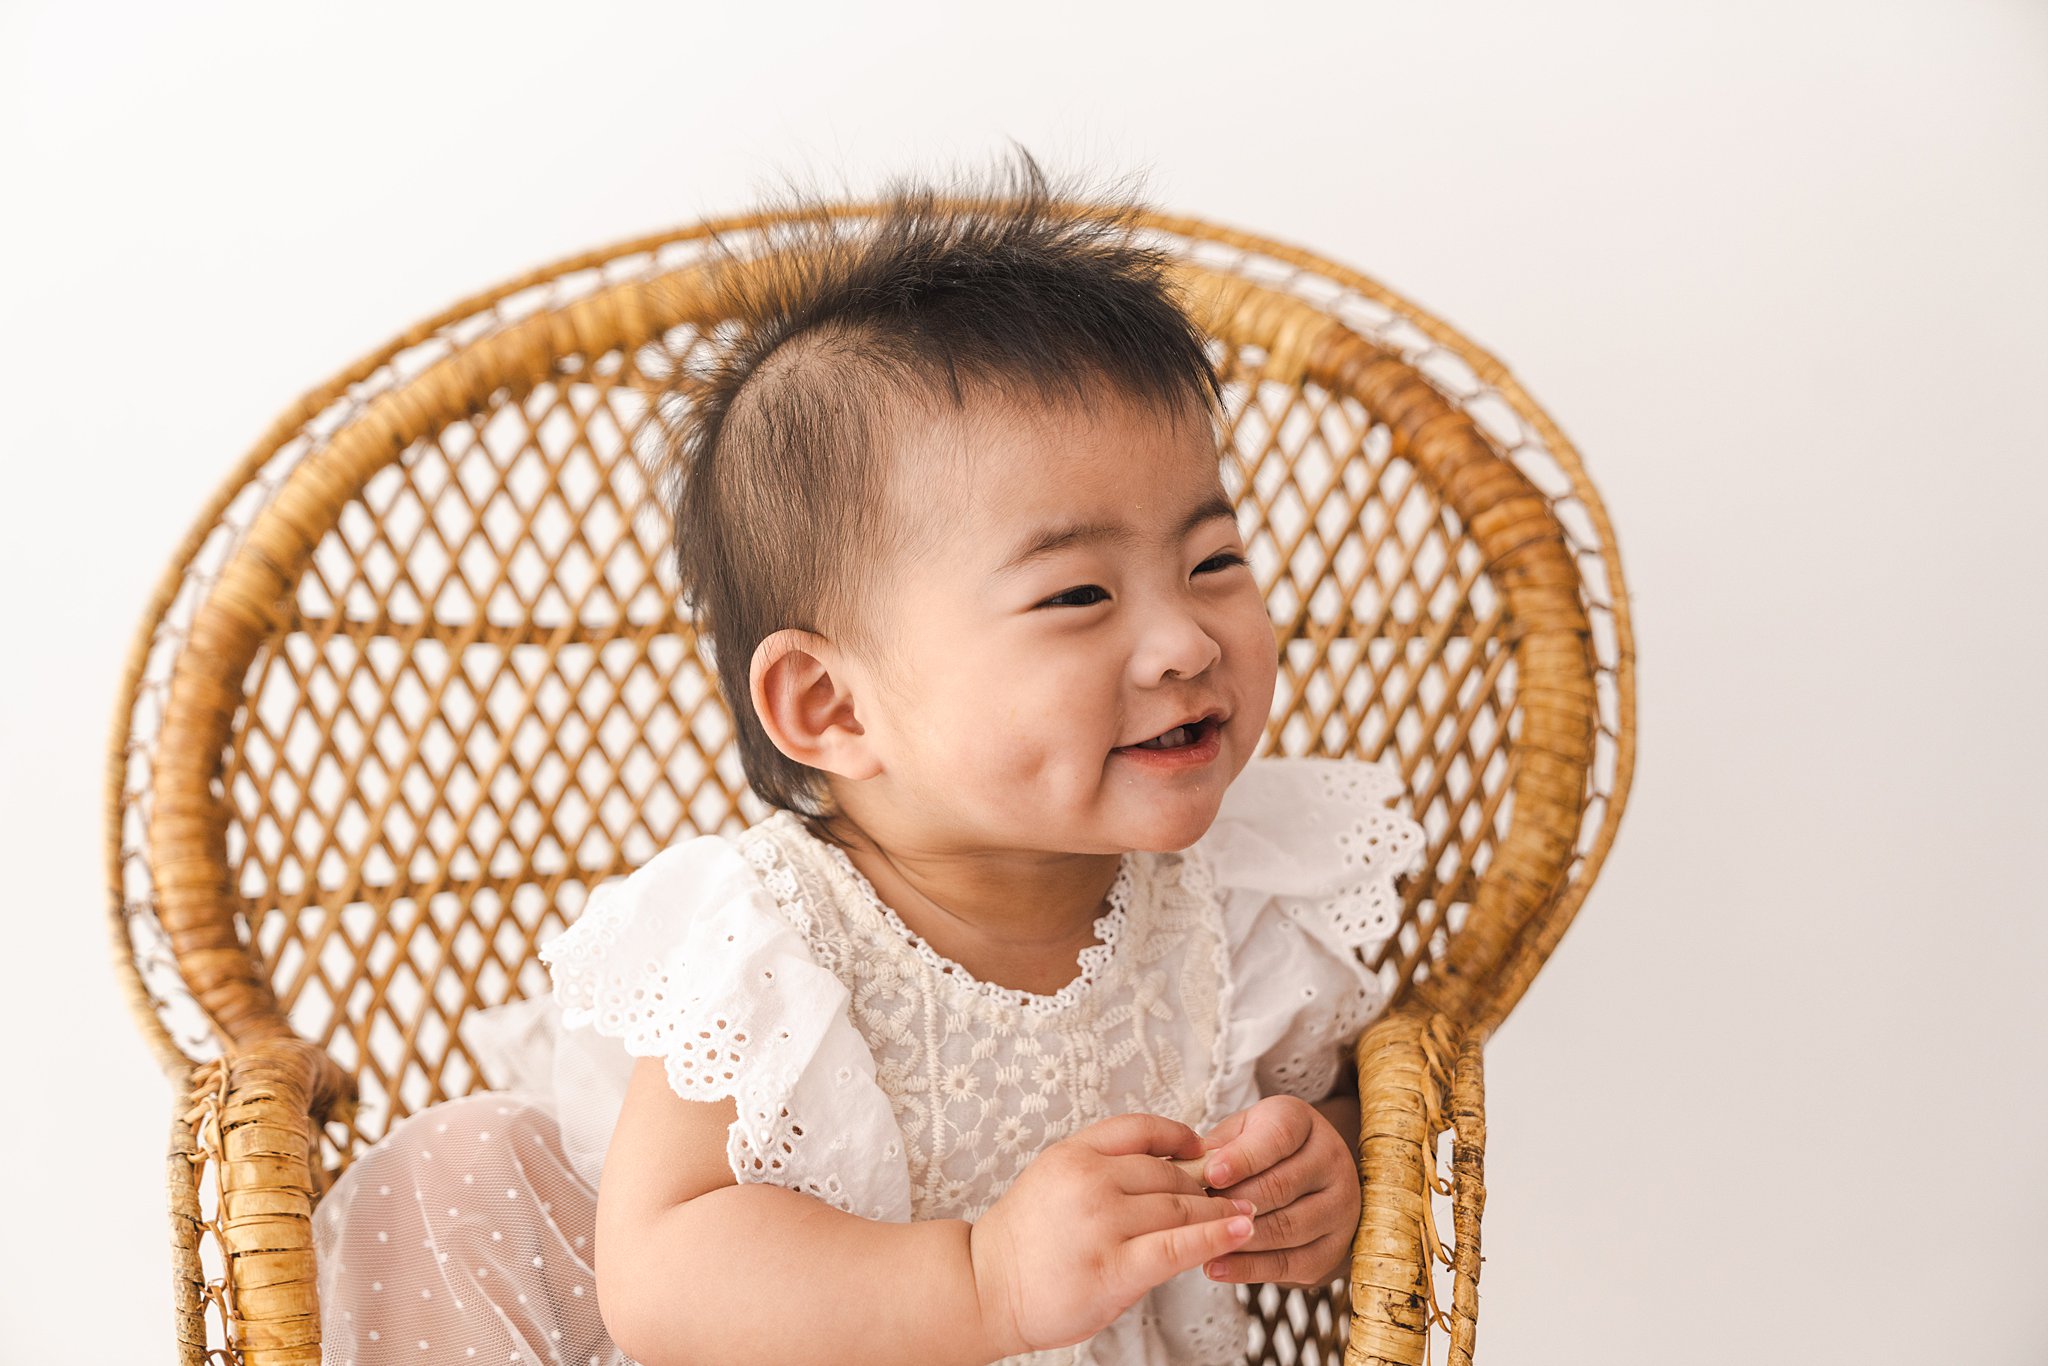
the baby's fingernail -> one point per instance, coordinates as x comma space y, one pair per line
1245, 1207
1240, 1226
1219, 1174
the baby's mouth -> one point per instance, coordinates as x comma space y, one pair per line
1180, 737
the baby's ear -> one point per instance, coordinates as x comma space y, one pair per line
800, 684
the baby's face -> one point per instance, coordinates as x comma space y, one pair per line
1085, 592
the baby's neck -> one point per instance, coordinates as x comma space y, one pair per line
1018, 919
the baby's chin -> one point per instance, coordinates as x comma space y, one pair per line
1164, 826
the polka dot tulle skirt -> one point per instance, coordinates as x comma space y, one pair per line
464, 1236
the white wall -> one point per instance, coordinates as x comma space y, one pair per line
1779, 1095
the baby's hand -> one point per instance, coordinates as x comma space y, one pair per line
1090, 1225
1284, 1157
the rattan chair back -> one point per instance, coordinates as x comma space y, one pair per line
417, 679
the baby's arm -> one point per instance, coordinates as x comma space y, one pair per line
694, 1267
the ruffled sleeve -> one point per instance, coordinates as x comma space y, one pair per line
690, 960
1304, 853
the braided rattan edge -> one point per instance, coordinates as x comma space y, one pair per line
1468, 1193
253, 1117
1406, 1064
189, 1294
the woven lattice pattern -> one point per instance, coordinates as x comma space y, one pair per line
483, 705
416, 681
1389, 633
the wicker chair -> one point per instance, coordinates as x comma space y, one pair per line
413, 684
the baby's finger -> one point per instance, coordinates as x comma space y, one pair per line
1273, 1128
1283, 1266
1167, 1209
1153, 1258
1138, 1173
1280, 1184
1315, 1215
1140, 1133
1227, 1128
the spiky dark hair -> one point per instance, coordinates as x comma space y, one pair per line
775, 467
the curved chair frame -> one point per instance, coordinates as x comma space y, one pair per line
1552, 644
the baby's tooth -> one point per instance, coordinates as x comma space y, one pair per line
1176, 736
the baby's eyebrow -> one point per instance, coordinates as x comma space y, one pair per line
1056, 538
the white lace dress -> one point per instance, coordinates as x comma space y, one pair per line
867, 1071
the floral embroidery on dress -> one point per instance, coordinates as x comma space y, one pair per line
983, 1077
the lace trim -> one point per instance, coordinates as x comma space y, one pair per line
1198, 880
1379, 846
1093, 961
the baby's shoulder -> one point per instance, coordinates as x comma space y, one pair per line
692, 958
701, 890
697, 959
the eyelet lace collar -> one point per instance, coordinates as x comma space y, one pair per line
1093, 961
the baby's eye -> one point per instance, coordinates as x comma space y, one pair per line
1223, 562
1064, 599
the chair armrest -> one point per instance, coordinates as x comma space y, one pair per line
1412, 1066
253, 1120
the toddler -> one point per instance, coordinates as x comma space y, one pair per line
1020, 1028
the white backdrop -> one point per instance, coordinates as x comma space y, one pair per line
1779, 1094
